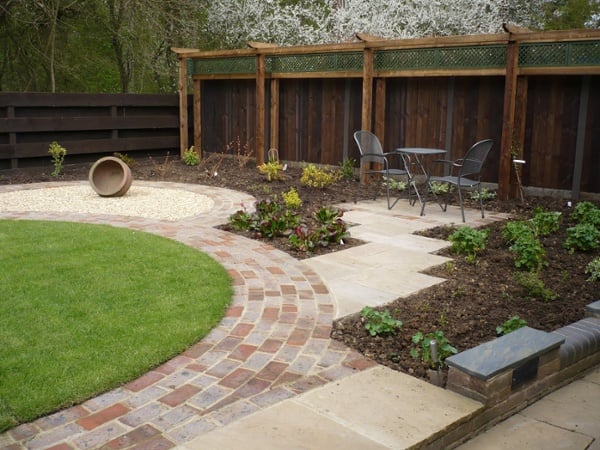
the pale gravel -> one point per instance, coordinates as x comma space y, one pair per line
139, 201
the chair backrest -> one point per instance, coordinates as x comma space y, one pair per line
369, 145
475, 157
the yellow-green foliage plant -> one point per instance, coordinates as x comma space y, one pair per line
292, 199
314, 177
58, 154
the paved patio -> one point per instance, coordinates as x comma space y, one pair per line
269, 376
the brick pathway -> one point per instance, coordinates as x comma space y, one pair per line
272, 344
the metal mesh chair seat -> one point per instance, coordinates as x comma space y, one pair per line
468, 166
374, 161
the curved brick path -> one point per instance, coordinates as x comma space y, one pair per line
272, 344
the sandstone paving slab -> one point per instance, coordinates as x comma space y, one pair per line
287, 425
575, 407
390, 407
520, 432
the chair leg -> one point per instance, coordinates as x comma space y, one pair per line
480, 200
460, 199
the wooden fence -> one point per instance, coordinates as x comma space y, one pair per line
87, 125
536, 94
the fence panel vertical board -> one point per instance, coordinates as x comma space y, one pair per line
228, 114
477, 115
551, 134
425, 117
590, 179
395, 114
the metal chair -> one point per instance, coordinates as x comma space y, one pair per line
468, 166
373, 160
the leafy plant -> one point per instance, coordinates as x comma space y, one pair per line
314, 177
582, 237
516, 229
379, 322
586, 212
303, 238
593, 270
241, 219
191, 157
347, 168
512, 324
468, 241
396, 185
486, 194
292, 199
271, 219
58, 153
529, 252
439, 188
422, 348
128, 160
546, 222
535, 286
271, 170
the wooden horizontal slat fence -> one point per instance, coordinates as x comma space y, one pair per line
87, 125
537, 95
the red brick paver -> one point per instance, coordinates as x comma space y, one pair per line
272, 344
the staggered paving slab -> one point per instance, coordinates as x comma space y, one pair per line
269, 376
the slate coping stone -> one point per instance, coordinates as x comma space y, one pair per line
505, 353
593, 309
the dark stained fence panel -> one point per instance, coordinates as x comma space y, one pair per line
86, 124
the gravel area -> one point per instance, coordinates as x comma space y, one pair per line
140, 201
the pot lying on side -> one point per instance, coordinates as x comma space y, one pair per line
110, 177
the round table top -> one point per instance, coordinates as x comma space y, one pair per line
421, 150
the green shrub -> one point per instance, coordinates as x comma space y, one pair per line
128, 160
292, 199
593, 270
486, 194
191, 157
58, 153
271, 219
347, 168
395, 185
314, 177
586, 212
535, 286
332, 229
271, 170
379, 322
512, 324
468, 241
516, 229
582, 237
546, 222
529, 253
422, 348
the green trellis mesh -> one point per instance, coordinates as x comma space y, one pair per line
560, 54
315, 62
551, 54
442, 58
213, 66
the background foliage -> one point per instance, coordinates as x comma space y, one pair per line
124, 45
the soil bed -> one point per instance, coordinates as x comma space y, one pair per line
475, 299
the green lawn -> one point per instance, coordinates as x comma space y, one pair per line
84, 308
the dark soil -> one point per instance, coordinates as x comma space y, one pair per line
475, 299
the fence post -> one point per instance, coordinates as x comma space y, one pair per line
260, 108
183, 115
508, 117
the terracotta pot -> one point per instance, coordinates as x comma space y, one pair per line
110, 177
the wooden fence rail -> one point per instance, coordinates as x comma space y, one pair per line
87, 125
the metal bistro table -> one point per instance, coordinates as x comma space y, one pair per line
417, 155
